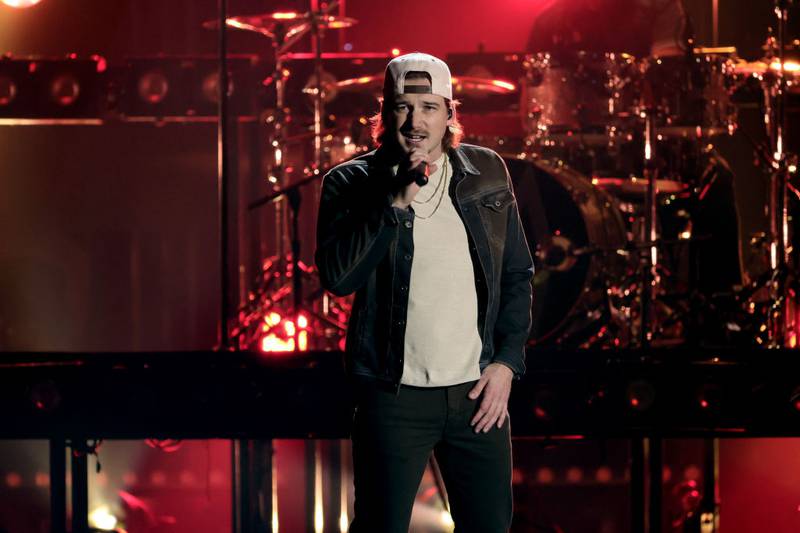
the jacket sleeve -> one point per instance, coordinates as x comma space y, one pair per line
356, 224
514, 315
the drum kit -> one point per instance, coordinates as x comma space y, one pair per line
627, 205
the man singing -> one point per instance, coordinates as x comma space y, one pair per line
425, 231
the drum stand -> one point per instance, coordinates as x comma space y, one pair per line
780, 245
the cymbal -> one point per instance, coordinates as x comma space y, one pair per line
266, 23
462, 85
637, 186
715, 50
794, 44
790, 67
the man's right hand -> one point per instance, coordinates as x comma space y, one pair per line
406, 195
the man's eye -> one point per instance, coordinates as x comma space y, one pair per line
400, 107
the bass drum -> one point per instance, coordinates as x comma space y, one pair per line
577, 237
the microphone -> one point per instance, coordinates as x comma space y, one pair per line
419, 174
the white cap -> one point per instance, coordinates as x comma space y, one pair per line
441, 81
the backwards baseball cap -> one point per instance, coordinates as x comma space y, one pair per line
396, 70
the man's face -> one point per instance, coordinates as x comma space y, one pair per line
420, 119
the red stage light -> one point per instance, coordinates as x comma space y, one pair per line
8, 90
210, 88
64, 90
21, 3
285, 335
153, 87
603, 474
640, 395
13, 480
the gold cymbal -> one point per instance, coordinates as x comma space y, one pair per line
790, 67
637, 186
266, 23
462, 85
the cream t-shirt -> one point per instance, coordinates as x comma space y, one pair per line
442, 343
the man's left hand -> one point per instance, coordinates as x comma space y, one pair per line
495, 384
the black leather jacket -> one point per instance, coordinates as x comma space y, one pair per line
364, 245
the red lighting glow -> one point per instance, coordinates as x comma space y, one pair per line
64, 90
504, 85
21, 3
8, 90
153, 87
283, 334
13, 480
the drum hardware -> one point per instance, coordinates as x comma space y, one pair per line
284, 30
776, 75
462, 85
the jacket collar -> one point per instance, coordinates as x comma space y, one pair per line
462, 162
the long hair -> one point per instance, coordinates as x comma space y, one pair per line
380, 135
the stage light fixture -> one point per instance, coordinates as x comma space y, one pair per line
709, 397
102, 519
641, 395
794, 399
153, 87
21, 4
8, 90
544, 404
45, 396
52, 88
64, 90
210, 87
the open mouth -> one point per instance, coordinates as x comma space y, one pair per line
414, 137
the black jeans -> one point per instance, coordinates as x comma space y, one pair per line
393, 437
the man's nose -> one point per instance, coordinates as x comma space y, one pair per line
416, 119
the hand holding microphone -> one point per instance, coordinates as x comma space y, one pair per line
412, 174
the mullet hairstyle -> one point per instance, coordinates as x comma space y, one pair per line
380, 135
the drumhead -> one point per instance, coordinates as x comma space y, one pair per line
574, 232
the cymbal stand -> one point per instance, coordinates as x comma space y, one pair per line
779, 237
649, 258
278, 138
319, 103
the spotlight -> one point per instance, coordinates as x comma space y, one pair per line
153, 87
21, 3
64, 90
794, 399
282, 334
544, 404
45, 397
52, 88
641, 395
102, 519
709, 397
8, 90
210, 87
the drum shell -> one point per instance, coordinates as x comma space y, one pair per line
558, 203
691, 95
585, 93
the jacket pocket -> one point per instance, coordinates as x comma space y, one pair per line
497, 201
